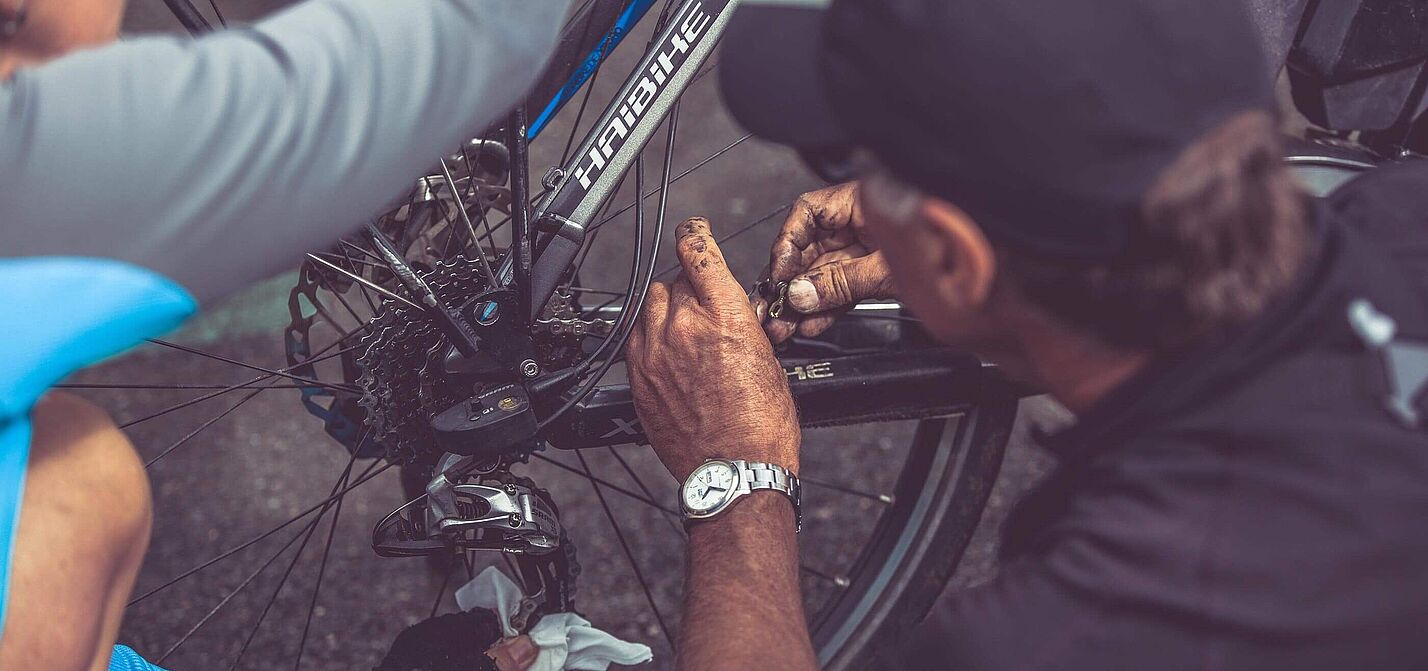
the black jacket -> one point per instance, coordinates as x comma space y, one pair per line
1246, 504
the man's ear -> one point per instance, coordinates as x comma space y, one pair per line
965, 263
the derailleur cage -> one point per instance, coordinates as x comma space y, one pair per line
510, 516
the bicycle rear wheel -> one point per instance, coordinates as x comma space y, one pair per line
890, 506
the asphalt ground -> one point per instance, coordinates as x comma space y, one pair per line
238, 473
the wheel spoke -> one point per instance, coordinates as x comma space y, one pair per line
629, 555
880, 498
361, 323
322, 568
367, 475
366, 295
585, 99
475, 196
600, 292
441, 591
282, 372
305, 533
364, 281
376, 260
229, 597
349, 259
838, 581
647, 501
688, 171
210, 422
287, 573
246, 384
466, 221
736, 233
669, 516
106, 385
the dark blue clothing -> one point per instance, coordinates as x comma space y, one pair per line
1249, 503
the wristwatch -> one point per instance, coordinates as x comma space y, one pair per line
718, 483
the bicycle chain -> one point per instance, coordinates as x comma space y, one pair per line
573, 327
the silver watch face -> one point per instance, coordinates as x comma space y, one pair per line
709, 486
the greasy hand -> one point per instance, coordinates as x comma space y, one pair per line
824, 254
705, 381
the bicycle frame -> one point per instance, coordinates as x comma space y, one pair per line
829, 391
913, 384
582, 186
917, 383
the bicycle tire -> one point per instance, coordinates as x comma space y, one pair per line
941, 489
942, 514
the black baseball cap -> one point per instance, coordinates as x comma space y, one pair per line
1045, 120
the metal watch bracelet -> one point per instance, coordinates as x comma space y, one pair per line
755, 476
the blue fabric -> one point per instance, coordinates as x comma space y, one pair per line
14, 454
125, 659
61, 314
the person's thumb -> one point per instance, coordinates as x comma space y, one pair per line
514, 654
840, 284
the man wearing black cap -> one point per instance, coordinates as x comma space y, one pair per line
1090, 193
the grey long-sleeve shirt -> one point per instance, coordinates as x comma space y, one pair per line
138, 177
218, 161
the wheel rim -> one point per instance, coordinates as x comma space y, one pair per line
861, 586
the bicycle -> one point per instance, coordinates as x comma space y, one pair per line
505, 258
525, 331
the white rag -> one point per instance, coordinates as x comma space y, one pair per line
566, 640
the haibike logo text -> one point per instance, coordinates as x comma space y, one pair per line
812, 371
672, 54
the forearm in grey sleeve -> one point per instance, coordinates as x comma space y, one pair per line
220, 160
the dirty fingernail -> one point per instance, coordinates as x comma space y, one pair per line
694, 225
802, 296
759, 310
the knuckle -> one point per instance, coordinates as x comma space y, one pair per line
809, 204
784, 255
683, 324
838, 285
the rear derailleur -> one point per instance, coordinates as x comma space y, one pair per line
472, 507
498, 512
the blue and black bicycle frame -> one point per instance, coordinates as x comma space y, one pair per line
909, 382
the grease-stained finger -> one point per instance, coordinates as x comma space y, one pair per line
817, 223
703, 263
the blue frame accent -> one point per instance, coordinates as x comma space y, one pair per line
631, 16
